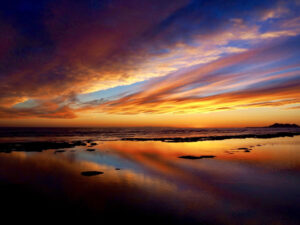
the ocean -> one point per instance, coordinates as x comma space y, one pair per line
151, 175
118, 133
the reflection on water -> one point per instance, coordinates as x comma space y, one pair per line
249, 181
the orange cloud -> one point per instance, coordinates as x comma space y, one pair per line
209, 88
82, 49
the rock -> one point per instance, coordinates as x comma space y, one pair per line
244, 149
59, 151
91, 173
284, 125
36, 146
197, 157
213, 138
79, 143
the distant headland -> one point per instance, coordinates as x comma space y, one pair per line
284, 125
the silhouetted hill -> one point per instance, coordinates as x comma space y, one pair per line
284, 125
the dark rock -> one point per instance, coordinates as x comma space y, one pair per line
197, 157
212, 138
36, 146
59, 151
79, 143
91, 173
244, 149
284, 125
91, 150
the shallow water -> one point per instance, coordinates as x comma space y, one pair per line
248, 181
115, 133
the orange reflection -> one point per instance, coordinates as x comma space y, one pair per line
161, 179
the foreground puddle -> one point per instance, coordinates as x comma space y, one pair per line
223, 182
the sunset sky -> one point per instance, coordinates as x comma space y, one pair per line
175, 63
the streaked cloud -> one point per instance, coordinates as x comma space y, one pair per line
192, 56
253, 78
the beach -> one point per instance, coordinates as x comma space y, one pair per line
153, 112
236, 180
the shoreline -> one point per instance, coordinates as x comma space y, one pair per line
38, 146
216, 138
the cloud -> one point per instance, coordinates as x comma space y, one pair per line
41, 111
84, 46
76, 47
248, 79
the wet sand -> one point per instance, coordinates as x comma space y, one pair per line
213, 138
232, 181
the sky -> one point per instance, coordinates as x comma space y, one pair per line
178, 63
